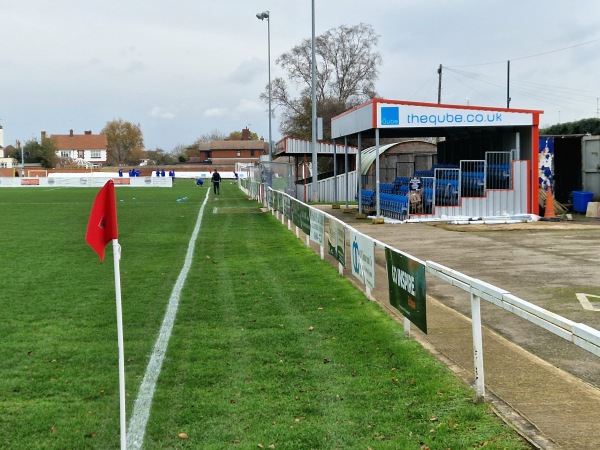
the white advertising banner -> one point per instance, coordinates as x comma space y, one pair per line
317, 227
362, 257
84, 181
392, 115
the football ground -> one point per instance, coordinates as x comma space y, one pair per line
236, 336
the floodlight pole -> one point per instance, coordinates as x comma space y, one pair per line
315, 168
22, 161
261, 16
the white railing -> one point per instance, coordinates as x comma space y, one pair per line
579, 334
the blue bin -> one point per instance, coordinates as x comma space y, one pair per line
580, 200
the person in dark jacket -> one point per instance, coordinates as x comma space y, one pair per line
216, 181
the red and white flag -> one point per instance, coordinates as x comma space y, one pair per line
101, 229
102, 225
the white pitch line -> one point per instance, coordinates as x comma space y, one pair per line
143, 403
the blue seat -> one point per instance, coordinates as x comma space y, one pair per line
394, 206
367, 198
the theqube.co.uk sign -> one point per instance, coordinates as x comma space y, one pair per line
410, 116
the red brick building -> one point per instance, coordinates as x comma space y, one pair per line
229, 152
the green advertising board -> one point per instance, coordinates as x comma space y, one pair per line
406, 282
287, 207
296, 213
304, 218
275, 201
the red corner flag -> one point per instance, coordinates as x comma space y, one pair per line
102, 226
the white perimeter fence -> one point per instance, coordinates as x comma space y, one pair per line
282, 206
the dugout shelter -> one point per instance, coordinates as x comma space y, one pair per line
486, 163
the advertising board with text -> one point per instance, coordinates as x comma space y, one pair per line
406, 282
317, 227
362, 257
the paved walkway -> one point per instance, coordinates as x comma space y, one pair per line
549, 406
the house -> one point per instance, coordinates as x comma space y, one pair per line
230, 152
87, 149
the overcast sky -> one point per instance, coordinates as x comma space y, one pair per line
184, 68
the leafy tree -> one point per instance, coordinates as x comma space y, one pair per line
36, 152
159, 156
180, 152
583, 126
347, 66
125, 142
237, 136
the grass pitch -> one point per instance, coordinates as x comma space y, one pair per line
270, 348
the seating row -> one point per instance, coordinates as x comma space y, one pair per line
394, 206
367, 198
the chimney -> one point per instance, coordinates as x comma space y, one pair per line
88, 132
71, 132
245, 134
43, 135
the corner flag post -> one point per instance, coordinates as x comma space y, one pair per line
123, 421
101, 229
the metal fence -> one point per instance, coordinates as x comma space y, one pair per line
497, 170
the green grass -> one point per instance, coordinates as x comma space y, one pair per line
270, 346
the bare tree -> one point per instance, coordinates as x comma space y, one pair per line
347, 68
214, 135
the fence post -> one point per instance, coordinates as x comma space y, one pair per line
477, 347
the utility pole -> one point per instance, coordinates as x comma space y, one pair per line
439, 71
508, 84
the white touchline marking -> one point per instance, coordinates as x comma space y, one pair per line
143, 402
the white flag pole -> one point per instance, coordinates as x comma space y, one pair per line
123, 422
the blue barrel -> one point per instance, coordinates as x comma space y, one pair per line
580, 200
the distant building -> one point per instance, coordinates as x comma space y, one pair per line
6, 163
85, 149
230, 152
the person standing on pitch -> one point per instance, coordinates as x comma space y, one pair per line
216, 181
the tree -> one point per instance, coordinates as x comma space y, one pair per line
583, 126
36, 152
160, 157
237, 136
214, 135
347, 66
125, 142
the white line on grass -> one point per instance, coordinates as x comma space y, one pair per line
141, 409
